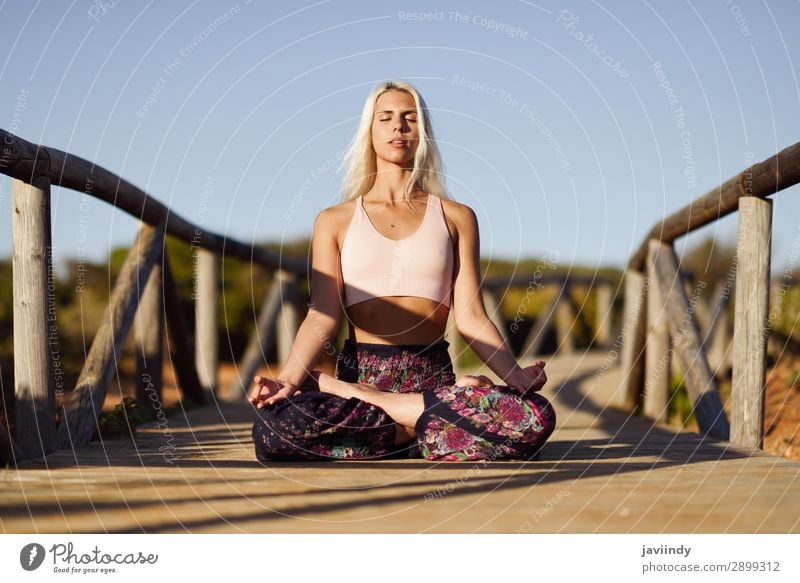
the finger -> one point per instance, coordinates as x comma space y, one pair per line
274, 399
263, 403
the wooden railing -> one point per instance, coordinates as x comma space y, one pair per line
145, 297
563, 313
144, 291
659, 319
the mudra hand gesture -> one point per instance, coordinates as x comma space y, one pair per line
531, 378
268, 391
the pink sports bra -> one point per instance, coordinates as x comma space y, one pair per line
375, 266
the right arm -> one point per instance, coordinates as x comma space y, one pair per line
317, 332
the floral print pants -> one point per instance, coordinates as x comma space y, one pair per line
458, 423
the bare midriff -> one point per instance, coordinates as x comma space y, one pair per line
397, 320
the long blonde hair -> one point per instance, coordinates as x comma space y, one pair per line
360, 159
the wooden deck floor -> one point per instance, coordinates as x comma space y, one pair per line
601, 472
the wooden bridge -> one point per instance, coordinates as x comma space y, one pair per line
604, 470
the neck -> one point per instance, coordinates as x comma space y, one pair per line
390, 183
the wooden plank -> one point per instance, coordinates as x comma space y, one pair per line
80, 415
149, 327
687, 345
35, 331
600, 472
633, 341
207, 319
750, 321
259, 344
180, 348
657, 352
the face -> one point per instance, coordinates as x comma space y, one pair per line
395, 118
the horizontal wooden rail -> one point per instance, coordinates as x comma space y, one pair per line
763, 179
24, 160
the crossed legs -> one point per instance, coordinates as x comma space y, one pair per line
404, 408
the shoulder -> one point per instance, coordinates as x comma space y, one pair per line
461, 219
336, 213
334, 220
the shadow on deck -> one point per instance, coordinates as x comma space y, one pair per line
601, 472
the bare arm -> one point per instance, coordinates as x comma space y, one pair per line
470, 314
317, 332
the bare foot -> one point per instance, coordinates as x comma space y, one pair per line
469, 380
403, 409
330, 384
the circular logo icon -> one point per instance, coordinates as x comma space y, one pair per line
31, 556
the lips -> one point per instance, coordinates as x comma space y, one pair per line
398, 143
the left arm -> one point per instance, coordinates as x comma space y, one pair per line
470, 314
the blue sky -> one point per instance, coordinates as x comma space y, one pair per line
569, 127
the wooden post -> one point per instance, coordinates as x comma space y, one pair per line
604, 315
701, 314
718, 337
657, 353
180, 348
35, 331
633, 337
149, 326
80, 415
494, 312
532, 346
259, 344
565, 320
10, 454
687, 345
289, 318
750, 322
207, 319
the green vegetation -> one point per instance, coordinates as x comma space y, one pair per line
122, 421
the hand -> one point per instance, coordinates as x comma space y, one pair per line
531, 378
269, 391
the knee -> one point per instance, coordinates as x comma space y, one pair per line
269, 444
541, 423
544, 412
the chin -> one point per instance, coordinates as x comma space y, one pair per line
398, 157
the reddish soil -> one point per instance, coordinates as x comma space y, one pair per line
782, 409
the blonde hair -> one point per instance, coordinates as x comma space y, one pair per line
360, 158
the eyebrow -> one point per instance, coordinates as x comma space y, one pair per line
392, 111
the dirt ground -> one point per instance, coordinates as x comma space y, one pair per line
782, 409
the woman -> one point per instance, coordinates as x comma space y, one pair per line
398, 254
